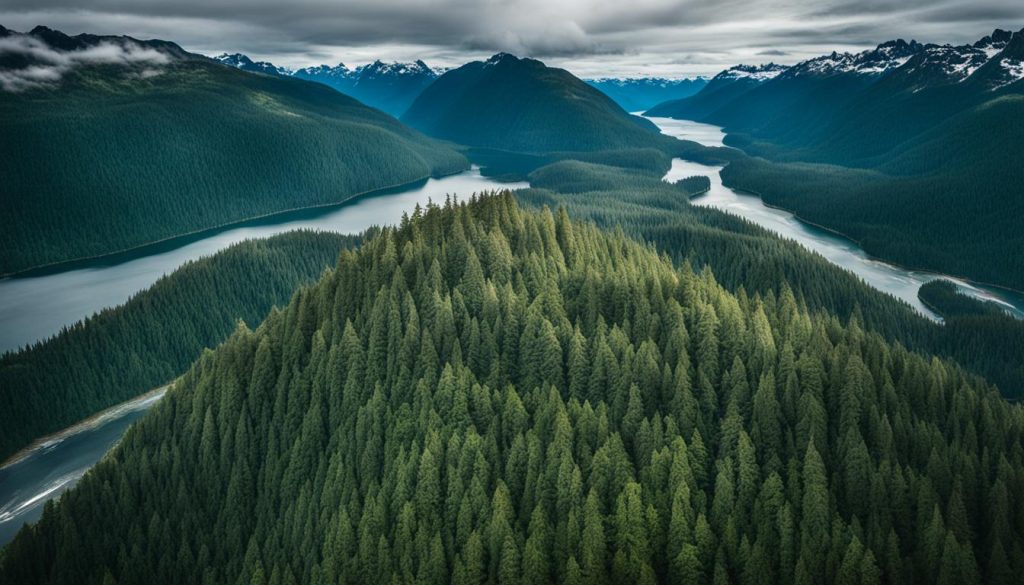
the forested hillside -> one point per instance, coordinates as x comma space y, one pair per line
521, 105
122, 352
747, 259
112, 157
487, 394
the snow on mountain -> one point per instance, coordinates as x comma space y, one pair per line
881, 59
243, 62
755, 72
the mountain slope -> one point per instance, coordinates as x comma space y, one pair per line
118, 154
125, 351
390, 87
491, 395
521, 105
722, 90
641, 93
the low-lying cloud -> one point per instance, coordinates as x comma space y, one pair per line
47, 65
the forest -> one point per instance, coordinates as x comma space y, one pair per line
122, 352
747, 259
492, 394
109, 162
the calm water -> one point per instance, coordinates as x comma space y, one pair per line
35, 307
57, 464
899, 282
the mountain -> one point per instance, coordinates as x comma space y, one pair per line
390, 87
641, 93
723, 88
522, 105
139, 142
925, 137
488, 394
240, 61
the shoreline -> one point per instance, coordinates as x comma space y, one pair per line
98, 419
65, 265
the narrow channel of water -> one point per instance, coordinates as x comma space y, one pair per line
36, 306
900, 282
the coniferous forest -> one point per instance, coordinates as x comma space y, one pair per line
120, 353
487, 393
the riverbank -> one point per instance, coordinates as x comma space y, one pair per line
140, 402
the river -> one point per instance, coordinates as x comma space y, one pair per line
34, 307
900, 282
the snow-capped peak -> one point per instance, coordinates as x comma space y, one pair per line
881, 59
755, 72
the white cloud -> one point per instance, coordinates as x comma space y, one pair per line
48, 65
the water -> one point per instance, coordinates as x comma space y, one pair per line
56, 464
35, 307
900, 282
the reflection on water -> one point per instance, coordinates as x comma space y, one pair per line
899, 282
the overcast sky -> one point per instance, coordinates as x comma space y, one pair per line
591, 38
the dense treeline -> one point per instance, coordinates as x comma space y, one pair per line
492, 395
695, 185
978, 332
122, 352
107, 162
748, 259
963, 223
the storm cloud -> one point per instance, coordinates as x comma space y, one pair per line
673, 38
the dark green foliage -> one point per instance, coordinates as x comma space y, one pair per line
979, 333
520, 105
748, 258
491, 395
106, 162
696, 185
518, 166
122, 352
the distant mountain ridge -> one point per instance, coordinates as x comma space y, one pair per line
640, 93
522, 105
390, 87
722, 89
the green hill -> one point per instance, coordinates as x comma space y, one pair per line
521, 105
492, 395
122, 352
115, 156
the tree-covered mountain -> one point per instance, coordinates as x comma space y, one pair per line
390, 87
136, 143
521, 105
723, 89
924, 137
636, 94
486, 394
122, 352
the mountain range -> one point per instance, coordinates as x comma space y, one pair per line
915, 148
635, 94
389, 87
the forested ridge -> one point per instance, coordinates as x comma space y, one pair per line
487, 394
748, 259
106, 161
122, 352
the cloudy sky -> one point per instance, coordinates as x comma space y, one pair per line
592, 38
